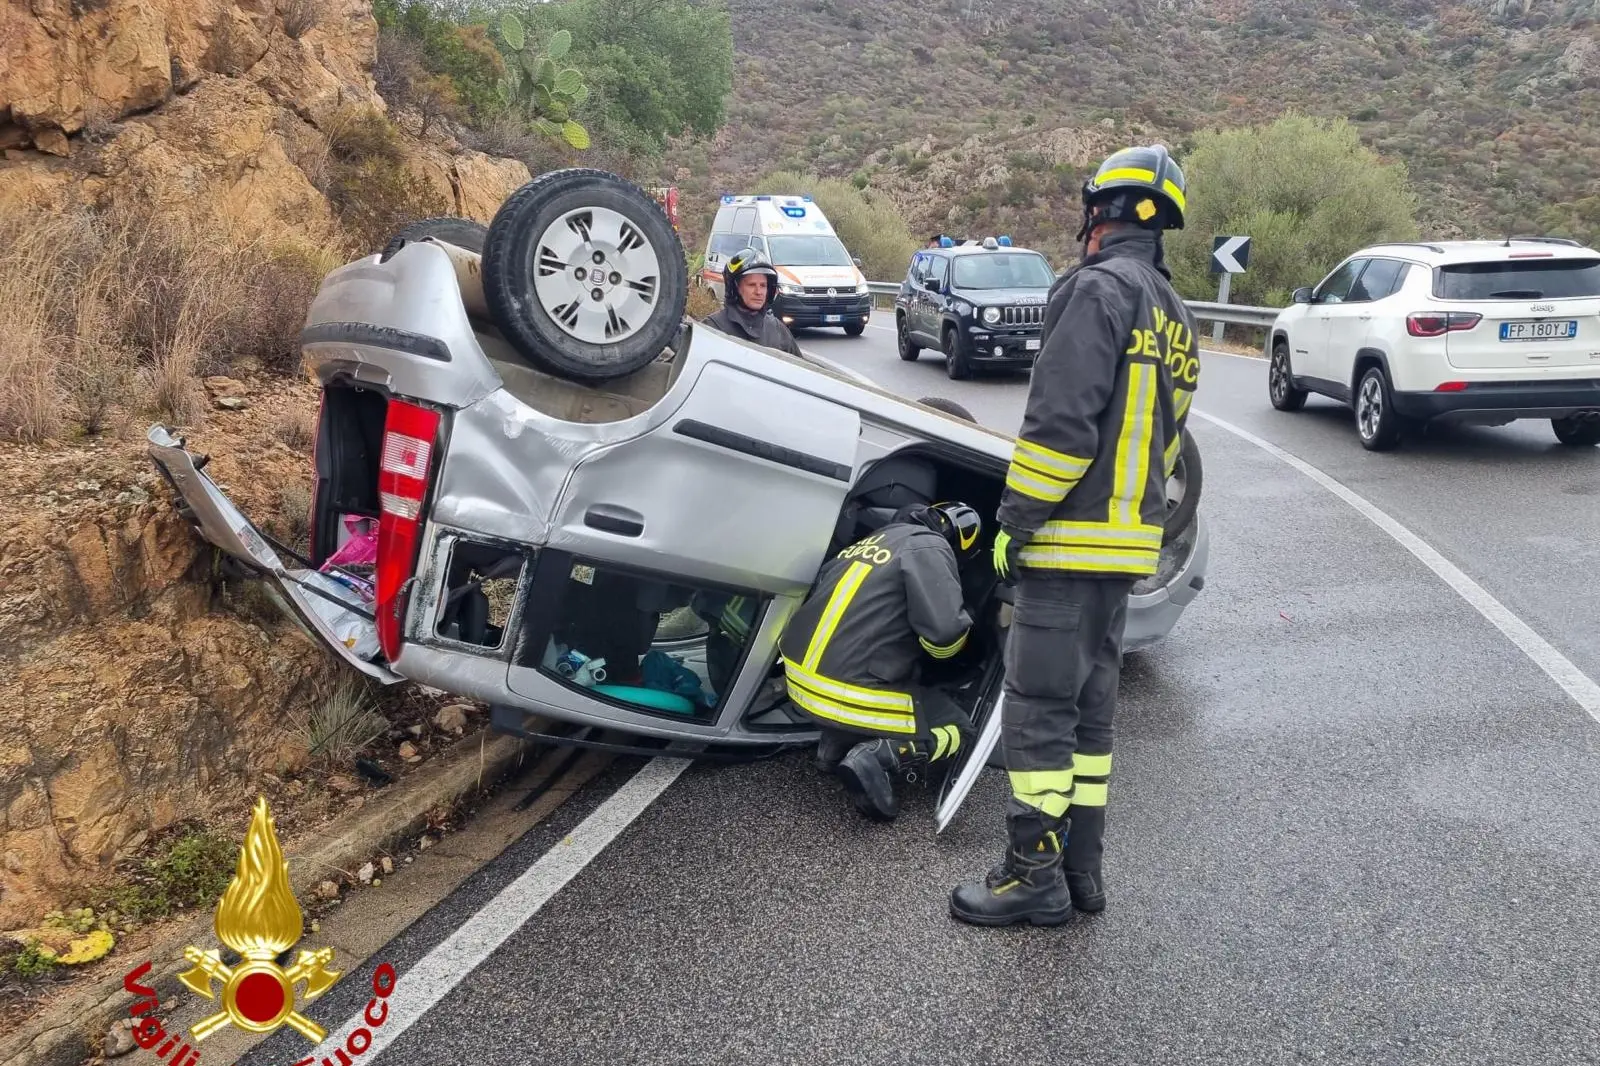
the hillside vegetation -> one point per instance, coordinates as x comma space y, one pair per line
985, 115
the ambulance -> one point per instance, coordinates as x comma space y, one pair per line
819, 282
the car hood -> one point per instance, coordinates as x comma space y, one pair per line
1002, 297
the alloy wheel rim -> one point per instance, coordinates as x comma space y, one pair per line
1279, 376
596, 275
1371, 407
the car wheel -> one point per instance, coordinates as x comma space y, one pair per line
1578, 431
1183, 489
949, 407
584, 275
461, 232
1377, 423
1280, 381
909, 349
855, 329
955, 356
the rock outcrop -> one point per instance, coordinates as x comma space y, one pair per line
210, 104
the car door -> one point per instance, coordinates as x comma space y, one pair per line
739, 488
933, 299
1310, 341
1350, 322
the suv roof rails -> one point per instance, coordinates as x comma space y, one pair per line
1409, 244
1547, 240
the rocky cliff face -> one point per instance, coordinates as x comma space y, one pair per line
213, 103
128, 700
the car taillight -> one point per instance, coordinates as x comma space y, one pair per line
1450, 386
408, 437
1438, 323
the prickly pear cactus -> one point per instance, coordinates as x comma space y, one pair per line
536, 84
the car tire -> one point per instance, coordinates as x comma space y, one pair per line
461, 232
956, 365
908, 348
1280, 380
949, 407
1578, 431
855, 329
1189, 473
544, 242
1378, 424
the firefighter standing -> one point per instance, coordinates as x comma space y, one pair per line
1081, 521
852, 651
749, 285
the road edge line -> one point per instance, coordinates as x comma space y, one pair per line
1573, 681
427, 981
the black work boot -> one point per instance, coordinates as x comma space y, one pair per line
831, 748
1028, 886
867, 773
1082, 863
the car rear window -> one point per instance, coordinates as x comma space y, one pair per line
1528, 279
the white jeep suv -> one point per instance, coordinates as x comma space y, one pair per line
1473, 331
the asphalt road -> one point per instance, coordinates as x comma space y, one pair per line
1351, 821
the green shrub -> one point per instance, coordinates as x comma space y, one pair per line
370, 183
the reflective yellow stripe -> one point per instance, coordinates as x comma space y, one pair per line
1127, 174
1089, 794
944, 651
1171, 189
1181, 403
843, 593
732, 621
1132, 463
1091, 558
1171, 458
947, 741
1048, 790
876, 699
1048, 462
1021, 479
1091, 765
845, 714
1088, 534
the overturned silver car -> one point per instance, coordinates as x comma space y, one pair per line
538, 485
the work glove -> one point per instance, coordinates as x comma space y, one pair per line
1007, 553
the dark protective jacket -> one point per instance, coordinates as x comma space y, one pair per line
761, 327
851, 651
1110, 394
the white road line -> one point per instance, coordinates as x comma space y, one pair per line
1558, 667
440, 970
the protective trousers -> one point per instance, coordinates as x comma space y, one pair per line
1063, 659
943, 729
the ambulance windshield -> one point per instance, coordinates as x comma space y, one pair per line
810, 250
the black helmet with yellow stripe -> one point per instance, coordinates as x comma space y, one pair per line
744, 264
954, 521
1142, 185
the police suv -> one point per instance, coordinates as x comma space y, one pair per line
980, 304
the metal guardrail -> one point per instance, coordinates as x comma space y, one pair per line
1232, 314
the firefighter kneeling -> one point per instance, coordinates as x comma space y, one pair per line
852, 652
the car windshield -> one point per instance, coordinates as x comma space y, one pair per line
1525, 279
1003, 270
818, 250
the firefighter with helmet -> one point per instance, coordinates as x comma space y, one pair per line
1081, 521
749, 285
853, 651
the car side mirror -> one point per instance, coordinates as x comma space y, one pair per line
1301, 295
931, 284
856, 259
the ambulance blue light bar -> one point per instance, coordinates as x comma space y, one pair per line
1005, 242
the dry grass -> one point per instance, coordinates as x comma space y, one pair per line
297, 429
119, 313
345, 723
702, 302
300, 17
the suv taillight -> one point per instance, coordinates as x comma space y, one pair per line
408, 437
1438, 323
